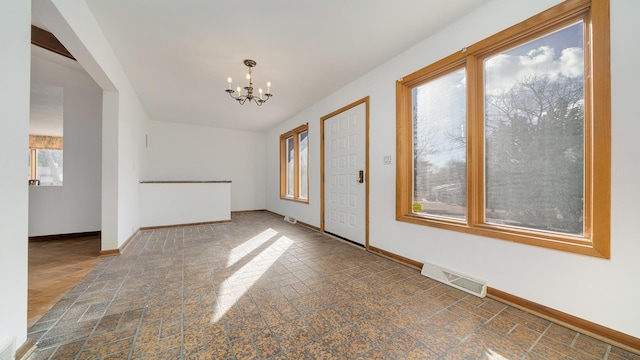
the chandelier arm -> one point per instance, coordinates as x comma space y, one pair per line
230, 92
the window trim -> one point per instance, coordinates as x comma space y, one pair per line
295, 133
596, 238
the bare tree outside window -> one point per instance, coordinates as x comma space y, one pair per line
534, 134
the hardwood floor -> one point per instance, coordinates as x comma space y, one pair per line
55, 266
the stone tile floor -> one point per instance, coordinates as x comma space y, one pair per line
260, 288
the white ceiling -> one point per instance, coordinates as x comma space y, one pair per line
178, 54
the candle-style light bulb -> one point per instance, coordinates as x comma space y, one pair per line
268, 87
260, 91
229, 81
248, 76
239, 90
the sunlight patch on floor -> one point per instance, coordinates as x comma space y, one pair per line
248, 246
492, 355
236, 285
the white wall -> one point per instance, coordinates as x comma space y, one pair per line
75, 206
191, 152
123, 116
15, 35
307, 213
602, 291
131, 127
169, 204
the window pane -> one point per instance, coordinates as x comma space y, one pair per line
534, 133
439, 147
49, 167
304, 155
290, 167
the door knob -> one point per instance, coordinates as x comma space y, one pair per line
360, 177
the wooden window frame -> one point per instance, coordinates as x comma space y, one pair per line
295, 133
33, 160
597, 139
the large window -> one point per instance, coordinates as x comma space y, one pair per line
294, 168
510, 137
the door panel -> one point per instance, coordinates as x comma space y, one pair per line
344, 158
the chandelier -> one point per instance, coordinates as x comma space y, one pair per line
248, 95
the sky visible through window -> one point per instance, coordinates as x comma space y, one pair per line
440, 110
557, 54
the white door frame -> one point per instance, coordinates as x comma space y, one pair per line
365, 101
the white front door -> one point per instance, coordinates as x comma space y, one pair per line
345, 170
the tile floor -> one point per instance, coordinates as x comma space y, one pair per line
260, 288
